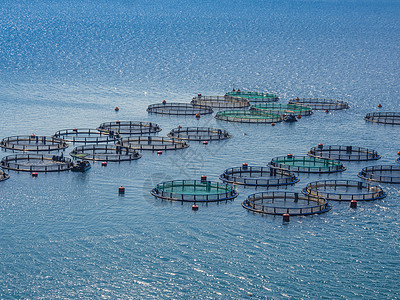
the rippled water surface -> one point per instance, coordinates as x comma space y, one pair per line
67, 64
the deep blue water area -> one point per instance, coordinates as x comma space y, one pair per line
67, 64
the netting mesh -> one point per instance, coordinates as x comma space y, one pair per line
258, 176
36, 163
85, 135
345, 153
221, 101
194, 191
128, 128
281, 202
306, 164
199, 133
391, 118
344, 190
279, 109
33, 143
248, 116
254, 96
320, 103
152, 143
381, 173
105, 153
179, 109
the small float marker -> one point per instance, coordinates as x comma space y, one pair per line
353, 204
198, 115
286, 217
205, 143
34, 174
326, 110
164, 102
159, 152
244, 165
272, 124
121, 190
320, 145
195, 207
290, 155
198, 95
379, 105
104, 164
203, 178
398, 152
299, 117
116, 108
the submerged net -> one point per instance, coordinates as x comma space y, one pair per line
128, 128
280, 109
280, 202
199, 134
33, 143
254, 96
105, 153
179, 109
36, 163
221, 101
194, 191
344, 190
258, 176
391, 118
381, 173
248, 116
152, 143
320, 103
346, 153
86, 136
306, 164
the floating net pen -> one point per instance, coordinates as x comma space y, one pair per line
258, 176
320, 103
254, 96
4, 175
33, 143
86, 136
344, 190
280, 109
194, 191
152, 143
391, 118
381, 173
128, 128
346, 153
183, 109
282, 202
306, 164
199, 134
105, 153
221, 101
248, 116
36, 163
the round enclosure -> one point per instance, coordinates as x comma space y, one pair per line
344, 190
221, 101
280, 109
248, 116
254, 96
152, 143
346, 153
105, 153
128, 128
33, 143
86, 136
36, 163
199, 134
381, 173
306, 164
184, 109
258, 176
391, 118
194, 191
3, 175
321, 104
281, 202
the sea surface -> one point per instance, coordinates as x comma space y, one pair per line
68, 64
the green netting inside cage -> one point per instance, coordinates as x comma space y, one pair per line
199, 133
280, 109
321, 103
248, 116
36, 163
381, 173
105, 153
128, 128
179, 109
345, 153
85, 136
153, 143
221, 102
306, 164
254, 96
391, 118
33, 143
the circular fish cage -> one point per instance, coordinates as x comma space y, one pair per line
344, 190
4, 175
282, 202
345, 153
182, 109
36, 163
194, 191
306, 164
248, 116
105, 153
254, 96
280, 109
391, 118
381, 173
33, 143
152, 143
199, 134
221, 101
320, 103
128, 128
86, 136
258, 176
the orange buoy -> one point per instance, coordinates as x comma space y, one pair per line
320, 145
398, 152
272, 124
244, 165
198, 95
233, 89
298, 116
118, 121
104, 164
34, 174
238, 90
353, 204
290, 155
198, 115
33, 135
286, 217
203, 178
164, 102
121, 190
159, 152
179, 126
116, 108
195, 207
205, 142
327, 111
380, 105
75, 130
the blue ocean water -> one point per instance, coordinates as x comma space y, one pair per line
66, 64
